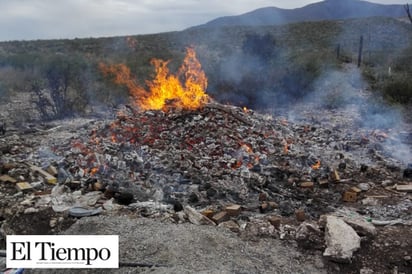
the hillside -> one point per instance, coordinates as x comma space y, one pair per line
258, 67
325, 10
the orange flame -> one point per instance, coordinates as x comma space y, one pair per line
316, 165
185, 90
285, 148
93, 171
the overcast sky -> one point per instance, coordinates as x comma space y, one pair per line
55, 19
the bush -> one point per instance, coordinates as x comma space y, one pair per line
398, 90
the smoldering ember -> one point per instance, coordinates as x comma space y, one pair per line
211, 187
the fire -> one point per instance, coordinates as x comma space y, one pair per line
185, 90
316, 165
246, 147
93, 171
285, 148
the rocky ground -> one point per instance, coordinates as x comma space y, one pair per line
223, 189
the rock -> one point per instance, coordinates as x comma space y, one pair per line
300, 215
286, 208
110, 206
196, 217
53, 222
308, 235
364, 186
357, 222
275, 221
193, 198
267, 207
231, 225
259, 228
31, 210
341, 240
208, 213
220, 217
366, 270
233, 210
386, 183
370, 201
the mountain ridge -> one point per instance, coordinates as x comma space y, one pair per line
324, 10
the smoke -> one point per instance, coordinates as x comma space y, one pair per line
341, 98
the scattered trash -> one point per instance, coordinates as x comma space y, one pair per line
84, 212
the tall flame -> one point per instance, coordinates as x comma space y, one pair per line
185, 90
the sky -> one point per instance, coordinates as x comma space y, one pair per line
61, 19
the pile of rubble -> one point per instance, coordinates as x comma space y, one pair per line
255, 174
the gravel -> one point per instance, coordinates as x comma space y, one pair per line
186, 248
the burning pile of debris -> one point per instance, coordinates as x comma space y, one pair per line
258, 175
219, 165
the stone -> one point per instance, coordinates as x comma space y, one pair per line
196, 217
267, 207
309, 236
364, 186
208, 213
193, 198
366, 270
357, 222
220, 217
231, 225
341, 240
300, 215
286, 208
233, 210
109, 205
275, 221
53, 222
263, 196
31, 210
259, 228
370, 201
386, 183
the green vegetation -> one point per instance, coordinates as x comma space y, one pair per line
253, 66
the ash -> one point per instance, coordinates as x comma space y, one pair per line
256, 176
